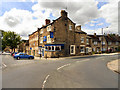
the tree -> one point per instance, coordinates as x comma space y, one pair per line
10, 39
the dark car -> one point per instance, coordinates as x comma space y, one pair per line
23, 55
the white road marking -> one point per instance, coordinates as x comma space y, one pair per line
43, 85
4, 64
63, 66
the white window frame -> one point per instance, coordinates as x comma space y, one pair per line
73, 49
41, 32
116, 43
49, 28
109, 43
41, 39
48, 39
87, 41
70, 27
95, 42
82, 40
103, 43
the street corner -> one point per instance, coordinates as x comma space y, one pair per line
114, 66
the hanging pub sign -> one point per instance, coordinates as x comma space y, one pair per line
44, 39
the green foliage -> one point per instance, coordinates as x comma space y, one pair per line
10, 39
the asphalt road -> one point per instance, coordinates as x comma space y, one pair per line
76, 72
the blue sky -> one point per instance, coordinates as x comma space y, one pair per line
7, 6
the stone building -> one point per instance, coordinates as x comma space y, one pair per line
62, 37
33, 44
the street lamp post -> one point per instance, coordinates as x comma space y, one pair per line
102, 40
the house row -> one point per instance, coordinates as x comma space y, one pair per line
62, 37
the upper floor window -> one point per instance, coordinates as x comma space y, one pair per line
49, 28
87, 41
103, 43
48, 39
82, 39
109, 43
117, 43
70, 27
100, 38
41, 39
41, 31
95, 42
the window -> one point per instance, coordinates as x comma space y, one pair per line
117, 43
34, 44
97, 49
100, 38
48, 39
95, 42
49, 47
87, 41
41, 31
41, 39
72, 49
46, 47
93, 49
82, 39
109, 43
51, 34
82, 49
49, 28
70, 27
52, 47
104, 49
57, 48
103, 43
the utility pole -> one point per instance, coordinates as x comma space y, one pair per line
102, 40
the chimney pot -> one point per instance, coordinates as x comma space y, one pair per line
94, 34
47, 21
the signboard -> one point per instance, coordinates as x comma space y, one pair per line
30, 48
44, 38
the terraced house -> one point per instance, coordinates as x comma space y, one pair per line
62, 37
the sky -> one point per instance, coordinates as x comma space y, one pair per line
25, 16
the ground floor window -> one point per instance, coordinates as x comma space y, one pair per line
93, 49
72, 49
87, 50
82, 49
98, 49
52, 48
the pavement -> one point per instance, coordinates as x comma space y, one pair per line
114, 66
74, 72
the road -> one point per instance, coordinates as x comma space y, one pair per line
75, 72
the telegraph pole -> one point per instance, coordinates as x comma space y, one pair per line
102, 40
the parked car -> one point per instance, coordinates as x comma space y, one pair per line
23, 55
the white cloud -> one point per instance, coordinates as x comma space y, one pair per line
20, 21
80, 12
110, 13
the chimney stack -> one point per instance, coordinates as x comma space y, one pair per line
63, 13
47, 21
94, 34
78, 27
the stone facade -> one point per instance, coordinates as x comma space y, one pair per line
33, 44
63, 38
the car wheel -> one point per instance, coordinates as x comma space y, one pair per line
30, 57
18, 58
